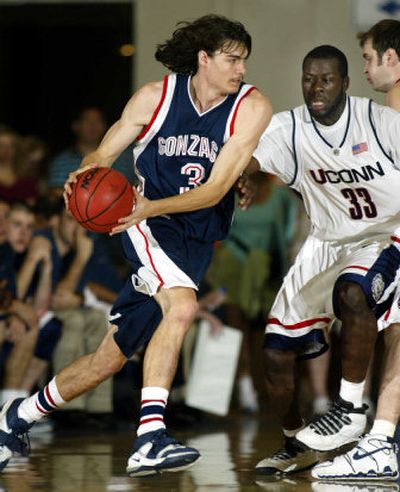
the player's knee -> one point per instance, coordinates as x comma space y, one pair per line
279, 372
182, 313
352, 297
108, 359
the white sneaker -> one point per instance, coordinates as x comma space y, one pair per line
341, 425
13, 431
157, 452
291, 458
374, 458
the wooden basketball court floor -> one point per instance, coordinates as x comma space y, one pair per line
96, 463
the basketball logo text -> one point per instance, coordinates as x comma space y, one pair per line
191, 145
88, 177
365, 173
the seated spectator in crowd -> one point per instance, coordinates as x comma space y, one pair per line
4, 208
18, 329
74, 258
13, 186
88, 129
32, 161
33, 270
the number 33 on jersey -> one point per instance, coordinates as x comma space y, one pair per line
347, 174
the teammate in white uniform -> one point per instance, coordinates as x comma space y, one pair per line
375, 454
342, 155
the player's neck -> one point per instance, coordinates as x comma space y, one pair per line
203, 95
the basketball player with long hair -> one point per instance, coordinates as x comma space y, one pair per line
195, 132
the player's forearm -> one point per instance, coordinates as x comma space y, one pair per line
96, 157
204, 196
253, 166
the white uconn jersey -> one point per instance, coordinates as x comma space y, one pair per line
345, 173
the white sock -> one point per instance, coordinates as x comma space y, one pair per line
154, 401
11, 394
383, 427
352, 392
41, 403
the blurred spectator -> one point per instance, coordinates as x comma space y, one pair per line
33, 270
32, 161
13, 186
74, 256
88, 129
250, 264
20, 324
4, 208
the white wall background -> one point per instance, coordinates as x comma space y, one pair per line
283, 31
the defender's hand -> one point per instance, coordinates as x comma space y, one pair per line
246, 188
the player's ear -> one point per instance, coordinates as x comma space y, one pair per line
202, 58
346, 83
391, 57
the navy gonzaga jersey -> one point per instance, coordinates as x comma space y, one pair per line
176, 152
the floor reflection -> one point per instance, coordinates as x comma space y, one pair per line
97, 463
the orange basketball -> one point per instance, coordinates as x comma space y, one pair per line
99, 198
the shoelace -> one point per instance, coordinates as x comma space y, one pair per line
162, 439
332, 421
288, 451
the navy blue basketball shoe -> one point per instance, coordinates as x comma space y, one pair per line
157, 452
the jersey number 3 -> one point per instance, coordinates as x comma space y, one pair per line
194, 173
359, 210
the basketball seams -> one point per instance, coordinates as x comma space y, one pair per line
91, 219
93, 192
76, 199
106, 196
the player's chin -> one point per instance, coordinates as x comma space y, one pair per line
317, 113
233, 87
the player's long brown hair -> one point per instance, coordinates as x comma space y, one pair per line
209, 33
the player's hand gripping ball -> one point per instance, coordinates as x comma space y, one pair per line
99, 198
